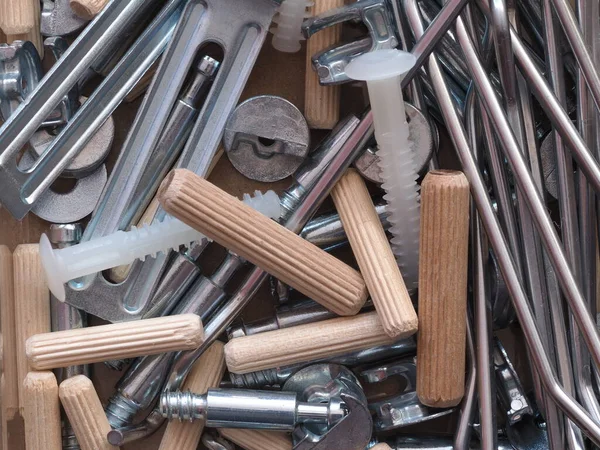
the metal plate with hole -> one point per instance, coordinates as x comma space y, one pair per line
266, 138
423, 139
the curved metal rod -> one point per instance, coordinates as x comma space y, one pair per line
584, 59
560, 119
490, 221
531, 195
568, 210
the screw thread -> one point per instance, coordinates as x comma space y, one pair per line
255, 380
182, 405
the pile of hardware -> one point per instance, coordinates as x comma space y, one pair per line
462, 222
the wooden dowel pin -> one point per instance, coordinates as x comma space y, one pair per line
87, 9
322, 103
206, 373
17, 16
32, 304
305, 343
374, 255
85, 412
42, 412
33, 34
257, 439
382, 446
263, 242
114, 341
443, 272
10, 391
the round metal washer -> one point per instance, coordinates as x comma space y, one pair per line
74, 205
87, 160
266, 138
423, 138
71, 206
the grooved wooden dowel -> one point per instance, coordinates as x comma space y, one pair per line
257, 439
263, 242
374, 255
114, 341
304, 343
85, 412
206, 373
10, 391
87, 9
17, 16
33, 34
382, 446
443, 268
322, 103
42, 412
32, 304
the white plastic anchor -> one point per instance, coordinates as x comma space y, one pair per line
383, 70
124, 247
288, 32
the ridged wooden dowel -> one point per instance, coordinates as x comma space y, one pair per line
17, 16
10, 391
321, 103
263, 242
206, 373
85, 412
114, 341
34, 34
382, 446
443, 268
32, 304
87, 9
257, 439
42, 412
374, 255
304, 343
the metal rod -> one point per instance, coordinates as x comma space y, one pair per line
490, 221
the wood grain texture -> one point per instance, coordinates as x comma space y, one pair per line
42, 412
114, 341
443, 266
87, 9
32, 304
84, 410
206, 373
257, 439
10, 396
263, 242
321, 103
17, 16
33, 34
307, 342
374, 255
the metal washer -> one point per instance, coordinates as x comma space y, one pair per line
266, 118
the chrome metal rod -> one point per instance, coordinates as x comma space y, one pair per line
534, 202
490, 221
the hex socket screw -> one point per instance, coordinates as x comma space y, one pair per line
383, 70
124, 247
